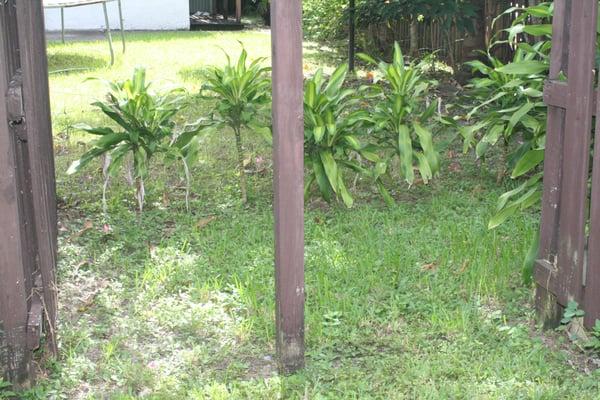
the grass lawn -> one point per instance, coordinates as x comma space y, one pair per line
418, 301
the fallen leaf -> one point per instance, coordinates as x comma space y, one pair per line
455, 167
429, 267
205, 221
87, 225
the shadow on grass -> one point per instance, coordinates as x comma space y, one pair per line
64, 63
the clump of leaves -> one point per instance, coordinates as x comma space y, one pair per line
243, 92
333, 127
594, 342
402, 118
509, 109
143, 125
571, 312
5, 390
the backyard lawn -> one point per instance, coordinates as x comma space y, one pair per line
415, 301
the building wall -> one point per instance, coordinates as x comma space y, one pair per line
138, 15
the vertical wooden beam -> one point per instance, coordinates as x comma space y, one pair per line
288, 141
14, 292
238, 11
548, 309
576, 150
34, 64
592, 288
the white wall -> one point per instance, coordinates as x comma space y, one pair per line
138, 15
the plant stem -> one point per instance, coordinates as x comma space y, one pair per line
240, 154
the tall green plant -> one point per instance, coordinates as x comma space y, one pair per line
402, 118
510, 109
242, 91
333, 127
142, 125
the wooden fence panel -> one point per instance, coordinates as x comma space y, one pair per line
561, 271
14, 276
34, 64
28, 222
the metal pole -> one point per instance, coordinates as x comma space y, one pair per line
62, 24
288, 142
108, 34
122, 24
352, 34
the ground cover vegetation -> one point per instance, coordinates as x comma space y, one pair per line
409, 293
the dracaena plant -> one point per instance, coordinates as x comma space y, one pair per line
143, 124
333, 135
509, 110
242, 91
402, 118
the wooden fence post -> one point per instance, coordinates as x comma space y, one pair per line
288, 142
36, 102
15, 258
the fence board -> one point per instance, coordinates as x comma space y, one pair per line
576, 149
13, 281
32, 41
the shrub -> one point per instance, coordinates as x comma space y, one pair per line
332, 134
401, 118
243, 93
511, 111
143, 125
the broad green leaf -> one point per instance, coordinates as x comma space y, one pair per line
405, 151
529, 161
530, 67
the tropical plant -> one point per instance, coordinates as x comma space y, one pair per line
333, 127
510, 109
243, 92
402, 118
143, 125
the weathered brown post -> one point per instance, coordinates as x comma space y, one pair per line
288, 141
27, 193
561, 269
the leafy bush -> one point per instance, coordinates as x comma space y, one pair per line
511, 110
143, 125
243, 98
402, 117
332, 130
324, 19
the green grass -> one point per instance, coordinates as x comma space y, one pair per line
418, 301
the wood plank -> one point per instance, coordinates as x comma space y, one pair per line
288, 142
592, 287
546, 301
576, 150
554, 136
13, 290
30, 18
556, 94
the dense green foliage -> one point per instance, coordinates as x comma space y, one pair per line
401, 117
509, 109
332, 134
242, 97
328, 19
143, 125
